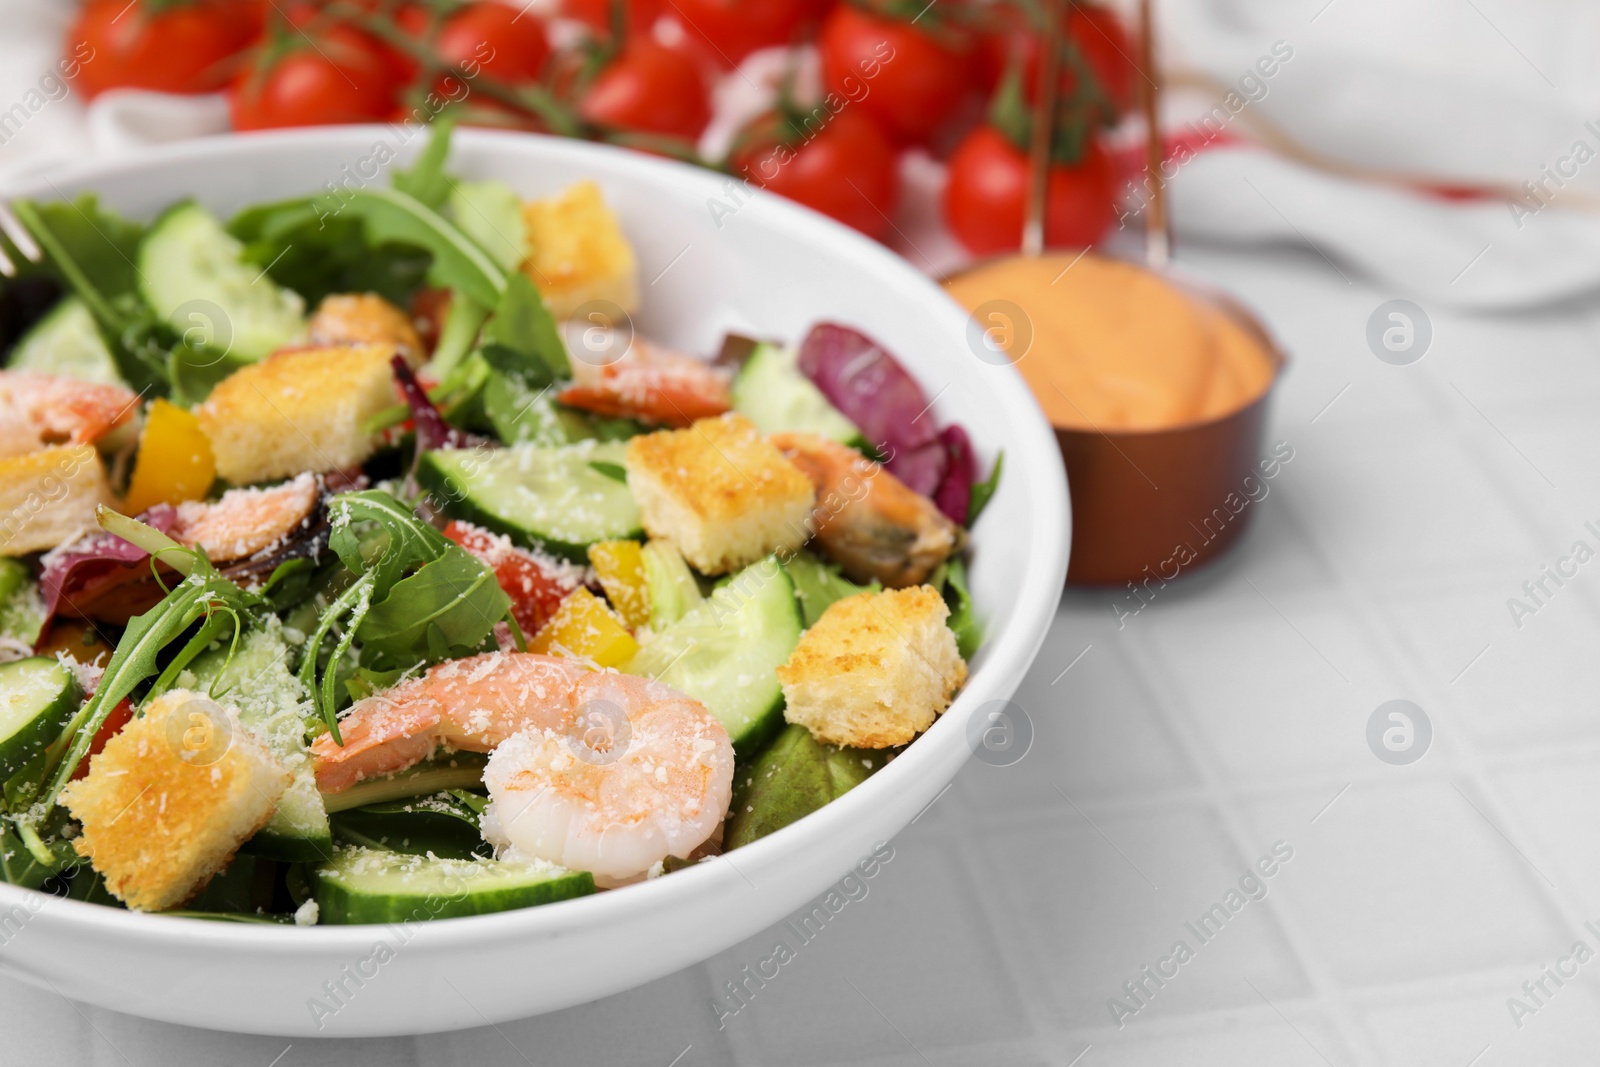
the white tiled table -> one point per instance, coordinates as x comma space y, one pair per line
1229, 715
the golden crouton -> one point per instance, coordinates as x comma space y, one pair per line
171, 798
577, 253
49, 496
362, 319
298, 410
875, 670
719, 492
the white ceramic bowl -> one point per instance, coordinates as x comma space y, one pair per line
760, 265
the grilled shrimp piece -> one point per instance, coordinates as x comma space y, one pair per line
652, 777
365, 318
473, 704
867, 520
646, 381
246, 521
65, 409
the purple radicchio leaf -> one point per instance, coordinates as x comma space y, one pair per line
96, 556
872, 390
433, 433
955, 492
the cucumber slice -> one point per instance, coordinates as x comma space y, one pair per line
21, 609
726, 650
363, 885
37, 697
771, 392
67, 341
193, 274
273, 706
670, 583
549, 498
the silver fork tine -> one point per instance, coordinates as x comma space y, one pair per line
7, 268
13, 228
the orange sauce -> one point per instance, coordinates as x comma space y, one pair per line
1108, 345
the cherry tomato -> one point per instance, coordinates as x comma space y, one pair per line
729, 30
649, 88
342, 77
846, 170
507, 44
986, 197
642, 14
307, 16
1100, 38
1104, 42
184, 49
909, 81
119, 717
536, 590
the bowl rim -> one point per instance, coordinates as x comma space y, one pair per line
1036, 464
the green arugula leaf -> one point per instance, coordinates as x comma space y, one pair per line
795, 776
984, 491
446, 609
818, 585
445, 824
458, 263
94, 251
202, 596
426, 180
417, 597
963, 620
309, 245
523, 326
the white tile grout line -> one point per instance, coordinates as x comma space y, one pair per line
1459, 747
1327, 993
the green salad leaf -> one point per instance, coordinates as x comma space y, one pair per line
795, 776
445, 824
818, 585
417, 597
952, 578
426, 180
490, 212
984, 491
522, 337
94, 251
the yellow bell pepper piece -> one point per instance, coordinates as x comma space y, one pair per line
584, 628
620, 565
175, 462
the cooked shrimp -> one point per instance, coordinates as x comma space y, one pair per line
17, 435
65, 409
867, 520
365, 318
246, 521
645, 381
653, 778
472, 704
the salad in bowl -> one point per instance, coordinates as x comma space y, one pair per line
361, 562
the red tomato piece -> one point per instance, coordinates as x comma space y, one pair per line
507, 44
907, 79
176, 49
985, 200
842, 165
536, 586
120, 716
649, 88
